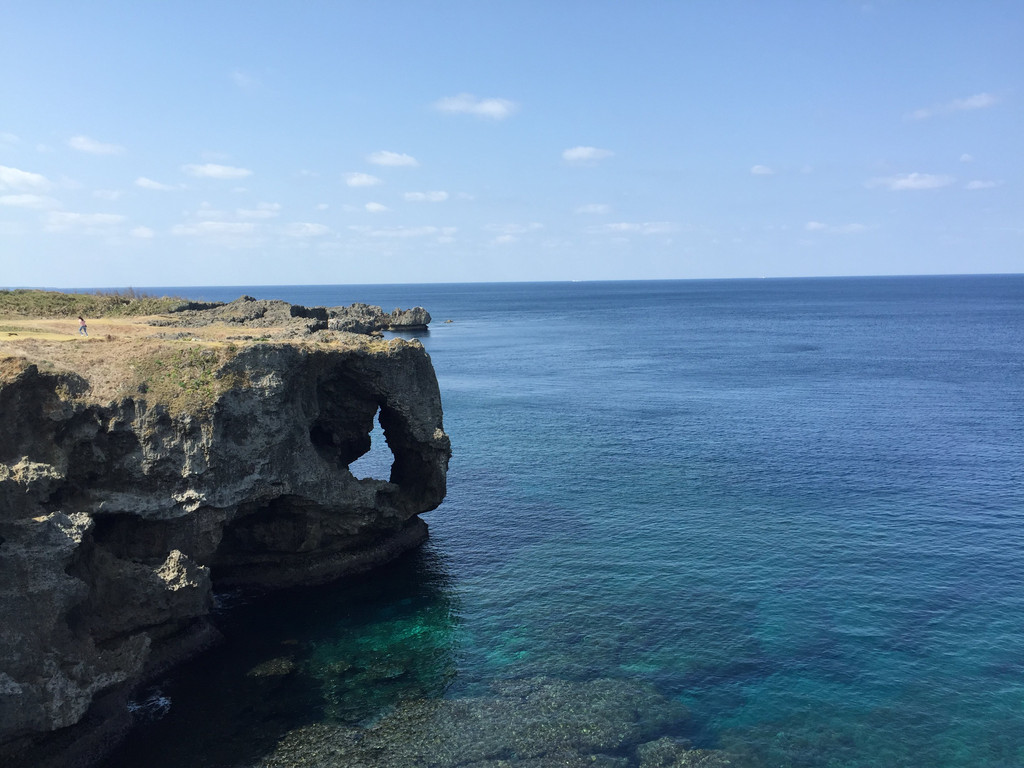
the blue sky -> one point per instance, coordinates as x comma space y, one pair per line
243, 143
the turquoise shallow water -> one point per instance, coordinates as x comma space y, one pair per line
794, 506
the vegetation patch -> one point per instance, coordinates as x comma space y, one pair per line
185, 378
25, 302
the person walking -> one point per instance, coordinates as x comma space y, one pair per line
82, 330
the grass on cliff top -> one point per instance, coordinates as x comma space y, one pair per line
24, 302
128, 353
184, 376
123, 359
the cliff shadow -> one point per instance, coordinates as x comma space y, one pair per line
344, 652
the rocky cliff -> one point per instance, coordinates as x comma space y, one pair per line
118, 517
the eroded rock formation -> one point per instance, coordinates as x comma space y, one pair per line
367, 318
117, 519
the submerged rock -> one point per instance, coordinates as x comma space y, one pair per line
537, 723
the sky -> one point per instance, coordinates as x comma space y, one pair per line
271, 143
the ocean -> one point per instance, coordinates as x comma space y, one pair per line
793, 506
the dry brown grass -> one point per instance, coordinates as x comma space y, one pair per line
122, 357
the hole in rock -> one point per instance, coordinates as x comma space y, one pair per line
375, 463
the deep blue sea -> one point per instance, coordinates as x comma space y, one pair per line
796, 506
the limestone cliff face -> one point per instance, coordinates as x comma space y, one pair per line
117, 519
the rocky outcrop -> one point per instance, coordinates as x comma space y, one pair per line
117, 519
367, 318
279, 319
415, 319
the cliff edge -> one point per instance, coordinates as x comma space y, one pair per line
125, 498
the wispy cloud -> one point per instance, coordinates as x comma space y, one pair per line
911, 181
515, 229
215, 228
306, 229
966, 158
244, 80
404, 232
17, 179
977, 101
426, 197
385, 157
376, 207
357, 179
594, 208
467, 103
145, 183
215, 171
762, 170
585, 155
979, 184
143, 233
837, 229
93, 147
261, 211
8, 138
90, 223
638, 228
29, 201
108, 194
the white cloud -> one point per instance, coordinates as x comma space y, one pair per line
145, 183
391, 158
13, 178
59, 221
8, 138
261, 211
762, 170
143, 233
585, 155
978, 184
376, 208
640, 228
977, 101
93, 147
356, 179
426, 197
322, 206
215, 171
107, 194
505, 239
215, 228
306, 229
914, 181
838, 229
594, 208
466, 103
965, 158
29, 201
